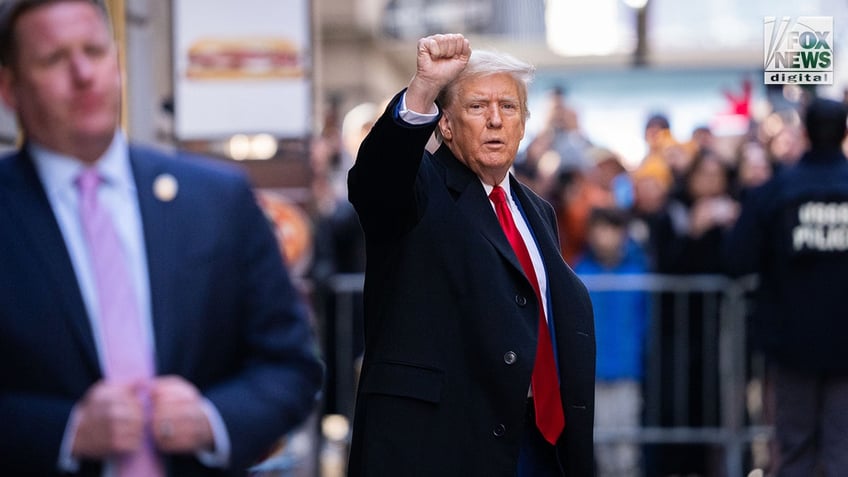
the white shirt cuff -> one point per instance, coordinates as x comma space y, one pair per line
412, 117
220, 456
67, 463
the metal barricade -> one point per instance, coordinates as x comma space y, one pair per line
726, 375
722, 304
347, 289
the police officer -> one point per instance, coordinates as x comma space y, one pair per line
793, 232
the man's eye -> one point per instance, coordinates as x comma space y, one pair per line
52, 59
95, 51
476, 108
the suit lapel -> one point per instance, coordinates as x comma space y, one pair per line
160, 222
28, 204
472, 201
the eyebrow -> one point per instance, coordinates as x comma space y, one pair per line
500, 99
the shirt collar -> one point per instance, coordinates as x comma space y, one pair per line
59, 171
504, 184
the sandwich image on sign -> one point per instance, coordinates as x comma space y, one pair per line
243, 58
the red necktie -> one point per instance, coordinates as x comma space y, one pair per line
546, 396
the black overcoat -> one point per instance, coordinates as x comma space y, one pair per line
451, 319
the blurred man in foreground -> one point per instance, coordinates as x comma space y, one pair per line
147, 323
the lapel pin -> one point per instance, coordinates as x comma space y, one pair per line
165, 187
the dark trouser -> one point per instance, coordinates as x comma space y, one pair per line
811, 423
537, 457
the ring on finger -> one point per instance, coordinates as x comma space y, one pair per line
166, 430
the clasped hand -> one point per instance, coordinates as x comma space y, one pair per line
114, 417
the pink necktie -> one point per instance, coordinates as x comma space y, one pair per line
550, 418
126, 356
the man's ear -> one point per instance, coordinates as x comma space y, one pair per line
445, 128
7, 81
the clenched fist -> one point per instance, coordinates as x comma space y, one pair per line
440, 59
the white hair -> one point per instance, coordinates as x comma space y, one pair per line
485, 63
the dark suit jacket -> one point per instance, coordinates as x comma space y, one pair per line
447, 309
225, 314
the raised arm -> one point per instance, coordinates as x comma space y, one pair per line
381, 184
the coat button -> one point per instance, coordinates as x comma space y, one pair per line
510, 357
520, 300
499, 430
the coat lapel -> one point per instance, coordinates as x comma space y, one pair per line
161, 223
472, 201
27, 202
